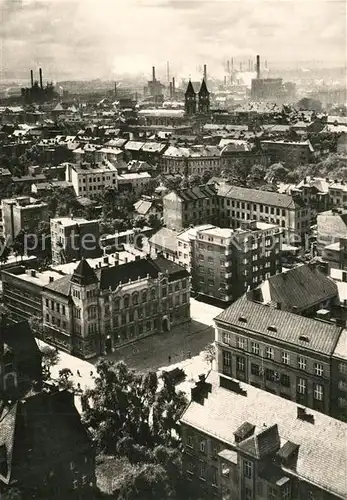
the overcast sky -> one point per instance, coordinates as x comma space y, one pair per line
96, 38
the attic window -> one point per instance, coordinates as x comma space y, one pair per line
304, 338
272, 328
243, 319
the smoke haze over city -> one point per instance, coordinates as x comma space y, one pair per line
89, 39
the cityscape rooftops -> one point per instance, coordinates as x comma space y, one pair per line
72, 221
285, 327
321, 448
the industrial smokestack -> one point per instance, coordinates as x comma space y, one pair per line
249, 65
153, 73
265, 64
168, 71
32, 78
173, 88
170, 87
205, 73
225, 81
228, 67
232, 63
258, 67
41, 83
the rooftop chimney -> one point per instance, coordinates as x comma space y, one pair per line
41, 83
205, 73
32, 78
258, 67
51, 279
153, 73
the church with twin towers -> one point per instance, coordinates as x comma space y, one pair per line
197, 101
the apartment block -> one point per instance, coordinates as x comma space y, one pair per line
22, 213
226, 262
291, 153
230, 206
74, 238
278, 351
91, 179
194, 160
241, 443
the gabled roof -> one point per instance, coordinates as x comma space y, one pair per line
203, 88
166, 239
20, 339
190, 89
299, 288
61, 286
321, 458
196, 193
286, 327
84, 274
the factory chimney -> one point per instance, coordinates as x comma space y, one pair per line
168, 71
32, 78
265, 64
153, 73
232, 63
228, 67
170, 87
173, 88
41, 83
205, 73
258, 67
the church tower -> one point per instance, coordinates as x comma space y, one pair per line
190, 100
204, 98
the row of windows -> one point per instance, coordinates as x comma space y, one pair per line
56, 321
55, 306
241, 343
248, 206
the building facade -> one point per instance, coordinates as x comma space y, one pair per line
280, 352
226, 262
94, 311
74, 238
290, 153
90, 180
242, 443
194, 160
22, 213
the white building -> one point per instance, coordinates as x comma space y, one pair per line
90, 180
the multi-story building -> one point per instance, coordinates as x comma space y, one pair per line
291, 153
93, 311
226, 262
242, 443
133, 181
191, 160
90, 180
305, 290
278, 351
231, 206
336, 254
331, 227
339, 377
74, 238
190, 207
22, 213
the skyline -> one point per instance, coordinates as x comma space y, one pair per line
99, 39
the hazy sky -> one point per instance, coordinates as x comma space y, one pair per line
95, 38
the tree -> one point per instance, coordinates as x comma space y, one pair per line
306, 103
12, 494
195, 180
36, 325
153, 221
65, 381
50, 358
19, 244
145, 482
277, 173
210, 353
256, 175
206, 176
128, 404
5, 251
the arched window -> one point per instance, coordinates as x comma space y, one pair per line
144, 296
135, 298
10, 380
126, 301
153, 294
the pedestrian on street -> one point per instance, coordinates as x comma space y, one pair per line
189, 354
91, 373
78, 373
169, 359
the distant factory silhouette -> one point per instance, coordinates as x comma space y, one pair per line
37, 93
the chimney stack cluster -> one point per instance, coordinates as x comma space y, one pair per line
32, 78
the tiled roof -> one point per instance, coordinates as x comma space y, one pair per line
84, 274
142, 207
321, 458
7, 431
257, 196
196, 193
61, 286
301, 287
289, 327
111, 277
